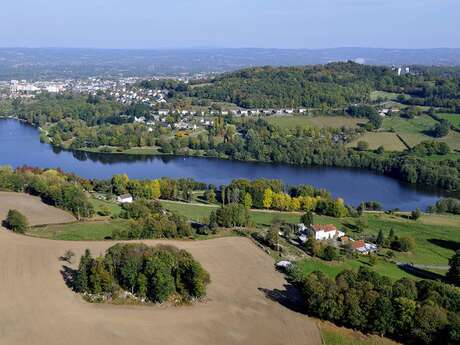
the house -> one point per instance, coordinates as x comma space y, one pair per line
125, 199
319, 232
364, 248
284, 265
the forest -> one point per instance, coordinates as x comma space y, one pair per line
334, 85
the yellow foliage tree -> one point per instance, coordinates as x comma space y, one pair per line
268, 198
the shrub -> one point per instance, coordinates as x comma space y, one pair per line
16, 221
232, 215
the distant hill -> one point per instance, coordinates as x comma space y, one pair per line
337, 84
46, 63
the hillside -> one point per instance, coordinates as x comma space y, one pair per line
333, 85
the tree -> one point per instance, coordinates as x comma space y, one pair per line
16, 221
153, 189
380, 241
330, 253
403, 244
453, 275
272, 236
159, 272
441, 129
119, 183
307, 218
416, 214
391, 236
268, 198
213, 221
210, 196
81, 283
247, 201
362, 146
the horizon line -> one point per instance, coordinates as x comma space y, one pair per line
226, 48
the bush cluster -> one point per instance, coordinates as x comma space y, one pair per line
155, 274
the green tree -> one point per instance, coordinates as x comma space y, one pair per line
307, 218
330, 253
380, 241
119, 183
82, 276
247, 201
272, 236
362, 146
161, 281
453, 275
416, 214
16, 221
404, 311
210, 196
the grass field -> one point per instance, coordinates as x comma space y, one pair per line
412, 131
331, 269
81, 231
334, 335
114, 208
454, 119
259, 217
388, 96
305, 121
389, 141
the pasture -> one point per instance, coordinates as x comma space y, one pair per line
388, 140
306, 121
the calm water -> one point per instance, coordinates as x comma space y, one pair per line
20, 145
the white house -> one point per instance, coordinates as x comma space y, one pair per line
125, 199
284, 264
319, 232
364, 248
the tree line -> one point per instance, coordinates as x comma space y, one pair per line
52, 186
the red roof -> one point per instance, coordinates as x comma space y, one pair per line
358, 244
324, 227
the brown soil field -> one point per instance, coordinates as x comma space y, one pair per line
243, 304
37, 213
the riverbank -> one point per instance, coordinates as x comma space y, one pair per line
353, 185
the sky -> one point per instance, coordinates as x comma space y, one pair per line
151, 24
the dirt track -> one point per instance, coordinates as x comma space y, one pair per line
36, 307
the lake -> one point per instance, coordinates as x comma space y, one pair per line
20, 145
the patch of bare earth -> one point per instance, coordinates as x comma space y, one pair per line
36, 307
